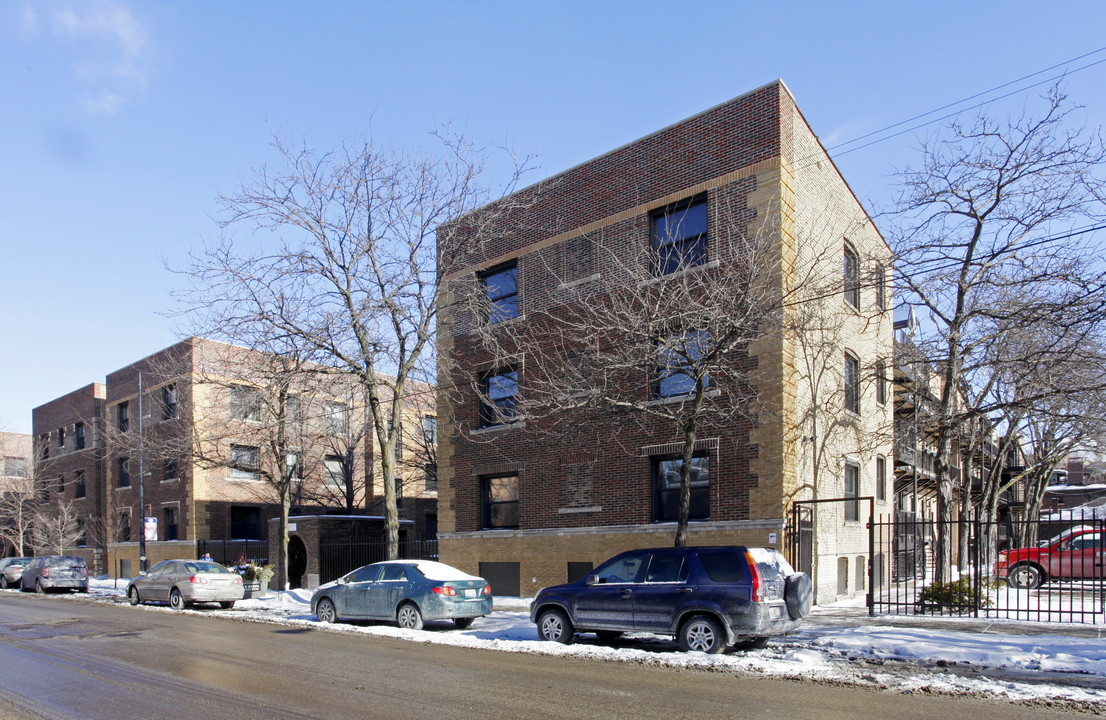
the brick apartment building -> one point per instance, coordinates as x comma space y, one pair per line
16, 463
537, 502
201, 435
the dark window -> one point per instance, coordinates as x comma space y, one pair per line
123, 465
852, 384
293, 466
335, 474
169, 469
626, 569
881, 287
666, 488
245, 522
245, 403
124, 527
169, 402
78, 485
245, 462
679, 236
170, 523
722, 566
431, 477
123, 415
501, 289
499, 404
500, 501
666, 569
852, 490
881, 478
680, 357
430, 430
881, 382
852, 278
337, 419
61, 437
80, 436
44, 445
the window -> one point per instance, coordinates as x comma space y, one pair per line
124, 467
500, 494
852, 384
292, 413
666, 488
881, 287
881, 382
335, 475
169, 470
852, 490
499, 404
337, 418
245, 462
293, 466
168, 402
125, 526
501, 289
399, 442
430, 430
881, 478
170, 518
15, 467
78, 433
679, 236
245, 522
852, 277
61, 437
78, 485
123, 416
245, 403
44, 445
680, 357
431, 470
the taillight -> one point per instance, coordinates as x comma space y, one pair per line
198, 580
487, 590
445, 590
46, 571
755, 576
237, 580
85, 572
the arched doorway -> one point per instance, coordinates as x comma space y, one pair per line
297, 562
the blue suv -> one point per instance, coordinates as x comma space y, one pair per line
708, 598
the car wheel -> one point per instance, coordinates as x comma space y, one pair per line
409, 617
38, 587
1025, 576
462, 623
554, 625
176, 600
226, 604
702, 634
132, 595
752, 644
325, 611
608, 636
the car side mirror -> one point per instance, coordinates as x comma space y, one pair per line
592, 580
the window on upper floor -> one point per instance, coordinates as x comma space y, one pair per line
123, 416
123, 467
168, 402
678, 235
852, 383
61, 438
881, 382
245, 462
15, 467
881, 286
79, 485
501, 290
245, 403
852, 490
335, 473
170, 522
666, 488
680, 356
430, 430
337, 418
852, 277
79, 435
499, 401
881, 478
169, 470
500, 501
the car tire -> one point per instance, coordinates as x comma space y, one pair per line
226, 604
462, 623
325, 611
608, 636
176, 600
1025, 576
554, 626
755, 643
132, 596
702, 633
409, 617
798, 593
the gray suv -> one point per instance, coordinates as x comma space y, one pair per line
708, 598
55, 572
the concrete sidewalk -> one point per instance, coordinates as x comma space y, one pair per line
841, 615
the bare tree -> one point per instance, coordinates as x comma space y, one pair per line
352, 272
56, 527
17, 512
994, 212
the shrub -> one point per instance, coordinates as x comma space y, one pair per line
958, 595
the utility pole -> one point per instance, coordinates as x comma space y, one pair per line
141, 483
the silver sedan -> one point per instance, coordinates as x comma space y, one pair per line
183, 582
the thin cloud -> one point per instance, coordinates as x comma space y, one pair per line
110, 44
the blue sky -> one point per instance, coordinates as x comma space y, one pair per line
121, 121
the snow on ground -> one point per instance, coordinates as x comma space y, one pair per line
835, 644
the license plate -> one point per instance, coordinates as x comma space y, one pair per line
470, 593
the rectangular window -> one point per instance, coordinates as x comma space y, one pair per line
168, 402
881, 287
852, 384
681, 363
881, 382
125, 526
881, 478
431, 470
430, 430
337, 419
499, 404
169, 470
399, 443
292, 413
335, 474
44, 445
852, 278
123, 416
124, 467
500, 494
293, 466
245, 462
61, 438
79, 485
245, 522
15, 467
666, 488
78, 432
852, 490
170, 518
501, 289
245, 403
679, 236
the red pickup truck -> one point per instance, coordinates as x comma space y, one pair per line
1074, 554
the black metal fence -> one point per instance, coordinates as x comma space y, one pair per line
1036, 570
338, 557
234, 552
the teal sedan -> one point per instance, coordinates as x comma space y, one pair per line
407, 592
